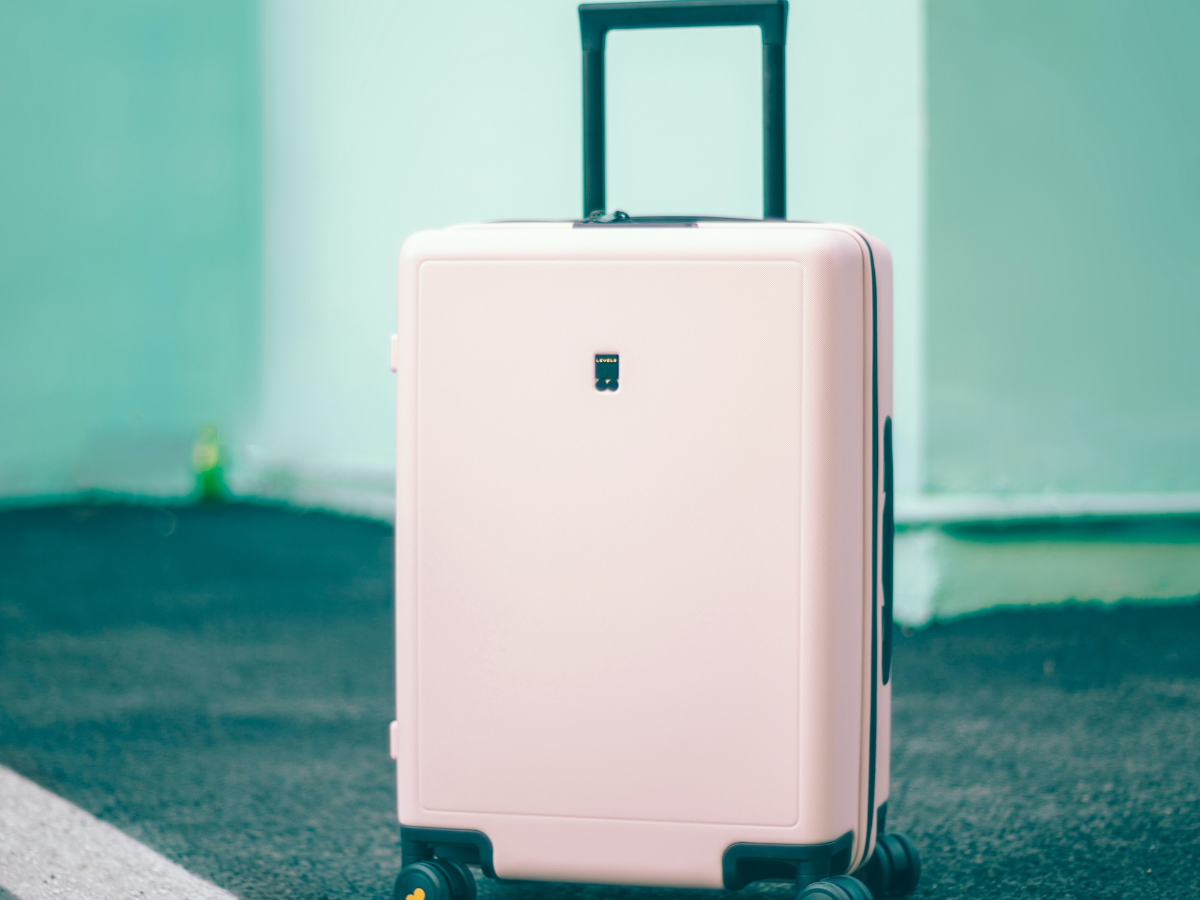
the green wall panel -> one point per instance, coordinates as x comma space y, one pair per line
1064, 282
129, 238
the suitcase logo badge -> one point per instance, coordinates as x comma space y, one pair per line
607, 371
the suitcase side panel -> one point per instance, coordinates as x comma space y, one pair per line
876, 698
883, 280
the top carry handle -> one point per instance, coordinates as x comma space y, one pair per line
597, 19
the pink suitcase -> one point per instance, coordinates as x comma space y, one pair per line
643, 539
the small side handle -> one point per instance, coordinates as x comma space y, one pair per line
889, 543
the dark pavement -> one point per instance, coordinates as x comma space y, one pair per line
217, 682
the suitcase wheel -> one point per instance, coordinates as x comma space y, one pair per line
893, 869
462, 880
906, 865
441, 879
839, 887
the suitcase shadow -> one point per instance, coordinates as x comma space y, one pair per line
545, 890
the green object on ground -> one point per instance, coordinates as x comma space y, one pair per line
206, 462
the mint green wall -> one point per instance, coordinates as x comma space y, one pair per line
129, 234
1064, 281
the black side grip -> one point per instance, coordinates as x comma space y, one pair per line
889, 541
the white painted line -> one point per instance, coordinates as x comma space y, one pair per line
52, 850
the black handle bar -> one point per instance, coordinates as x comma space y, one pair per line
597, 19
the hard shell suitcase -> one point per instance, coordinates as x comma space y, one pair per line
643, 539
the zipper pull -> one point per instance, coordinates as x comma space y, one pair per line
599, 217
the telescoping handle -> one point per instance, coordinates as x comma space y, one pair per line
597, 19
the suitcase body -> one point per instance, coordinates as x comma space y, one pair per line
639, 627
643, 538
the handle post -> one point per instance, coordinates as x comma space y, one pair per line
774, 133
593, 131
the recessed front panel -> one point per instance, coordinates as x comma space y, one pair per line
608, 509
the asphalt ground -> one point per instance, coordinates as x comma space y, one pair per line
217, 682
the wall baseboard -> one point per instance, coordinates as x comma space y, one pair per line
945, 509
363, 491
942, 570
349, 490
942, 574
